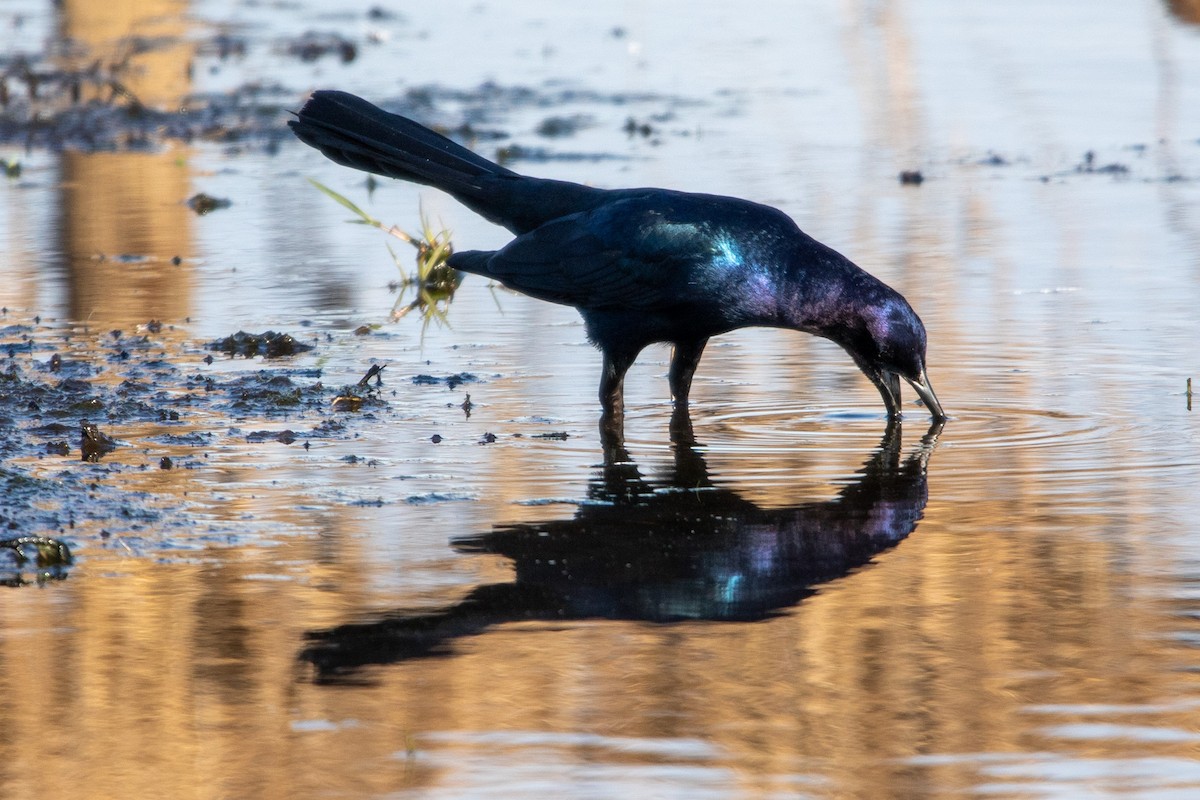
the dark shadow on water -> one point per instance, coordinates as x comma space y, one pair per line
666, 550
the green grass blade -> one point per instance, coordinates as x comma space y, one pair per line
346, 202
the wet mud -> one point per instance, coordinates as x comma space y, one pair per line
82, 410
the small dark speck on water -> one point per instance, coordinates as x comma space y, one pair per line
488, 438
1089, 165
204, 203
911, 177
634, 128
436, 439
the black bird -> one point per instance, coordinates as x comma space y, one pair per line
642, 265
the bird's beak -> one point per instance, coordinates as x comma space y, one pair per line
923, 388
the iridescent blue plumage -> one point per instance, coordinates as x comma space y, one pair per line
642, 265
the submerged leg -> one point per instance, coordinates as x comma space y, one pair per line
685, 357
889, 388
888, 384
612, 385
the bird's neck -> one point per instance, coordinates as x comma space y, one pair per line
829, 297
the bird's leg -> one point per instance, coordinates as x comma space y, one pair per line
685, 357
612, 388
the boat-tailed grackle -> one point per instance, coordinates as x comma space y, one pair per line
642, 265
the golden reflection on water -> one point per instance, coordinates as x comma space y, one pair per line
123, 217
124, 224
937, 649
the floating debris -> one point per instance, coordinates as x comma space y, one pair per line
353, 398
376, 372
1089, 165
204, 203
344, 402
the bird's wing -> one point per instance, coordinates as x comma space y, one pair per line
613, 257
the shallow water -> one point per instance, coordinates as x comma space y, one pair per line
790, 605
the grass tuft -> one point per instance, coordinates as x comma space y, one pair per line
434, 282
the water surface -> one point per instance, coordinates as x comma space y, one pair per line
788, 603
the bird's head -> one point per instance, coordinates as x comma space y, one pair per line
887, 341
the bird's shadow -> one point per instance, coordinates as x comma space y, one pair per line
661, 551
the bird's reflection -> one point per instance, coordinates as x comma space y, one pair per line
661, 551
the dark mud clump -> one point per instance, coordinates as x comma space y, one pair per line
451, 381
314, 45
266, 393
94, 444
558, 126
268, 345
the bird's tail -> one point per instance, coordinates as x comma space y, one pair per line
353, 132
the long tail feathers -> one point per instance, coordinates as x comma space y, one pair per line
357, 134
